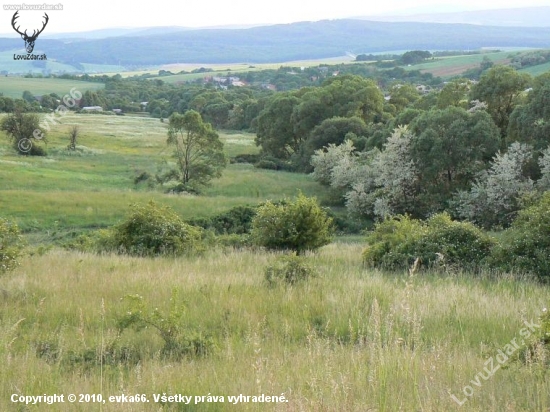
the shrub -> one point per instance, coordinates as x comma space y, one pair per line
237, 220
245, 158
289, 269
266, 164
178, 342
525, 246
11, 245
385, 241
396, 243
299, 225
152, 230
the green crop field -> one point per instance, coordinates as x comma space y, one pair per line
14, 87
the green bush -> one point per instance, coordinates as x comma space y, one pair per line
525, 246
396, 243
298, 225
11, 245
152, 230
237, 220
289, 269
178, 342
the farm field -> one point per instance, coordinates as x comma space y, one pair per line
15, 86
456, 65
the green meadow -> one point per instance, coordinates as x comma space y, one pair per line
93, 187
349, 339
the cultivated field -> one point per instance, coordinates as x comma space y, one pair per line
349, 339
456, 65
14, 87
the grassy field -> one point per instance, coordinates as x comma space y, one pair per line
537, 70
456, 65
15, 86
349, 339
94, 187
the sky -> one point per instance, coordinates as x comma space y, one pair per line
99, 14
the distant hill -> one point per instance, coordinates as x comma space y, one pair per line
279, 43
516, 17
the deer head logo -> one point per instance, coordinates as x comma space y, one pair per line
29, 40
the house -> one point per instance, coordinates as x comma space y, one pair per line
92, 109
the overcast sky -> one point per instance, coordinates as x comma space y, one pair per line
99, 14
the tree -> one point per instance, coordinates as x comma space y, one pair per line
24, 131
454, 93
387, 183
495, 197
501, 87
274, 129
73, 135
530, 123
299, 225
334, 130
449, 148
198, 149
402, 95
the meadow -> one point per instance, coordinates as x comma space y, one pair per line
349, 339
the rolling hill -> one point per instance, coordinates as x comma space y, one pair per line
285, 42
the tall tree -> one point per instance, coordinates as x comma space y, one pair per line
501, 87
197, 148
449, 148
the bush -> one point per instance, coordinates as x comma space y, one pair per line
300, 225
397, 242
525, 246
289, 269
245, 158
11, 246
152, 230
237, 220
266, 164
178, 342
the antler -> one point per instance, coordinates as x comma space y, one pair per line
35, 35
15, 16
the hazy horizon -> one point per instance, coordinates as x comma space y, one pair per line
76, 17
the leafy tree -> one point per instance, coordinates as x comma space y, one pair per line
197, 148
402, 95
530, 123
501, 88
24, 131
387, 183
494, 198
28, 96
449, 148
298, 225
454, 93
274, 128
415, 56
334, 130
